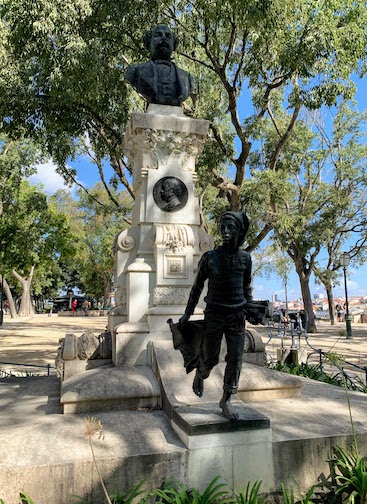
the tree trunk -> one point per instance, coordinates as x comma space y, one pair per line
286, 297
9, 297
106, 290
304, 280
307, 302
26, 306
330, 299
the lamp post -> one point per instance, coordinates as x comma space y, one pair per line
344, 261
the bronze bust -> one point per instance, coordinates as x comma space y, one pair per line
160, 80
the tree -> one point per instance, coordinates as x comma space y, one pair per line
33, 236
16, 163
272, 260
94, 227
62, 82
318, 193
74, 55
347, 153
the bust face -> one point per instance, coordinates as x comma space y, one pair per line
169, 190
230, 231
161, 45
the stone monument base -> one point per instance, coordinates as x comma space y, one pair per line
167, 384
39, 444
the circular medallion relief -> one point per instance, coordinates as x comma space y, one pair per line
170, 194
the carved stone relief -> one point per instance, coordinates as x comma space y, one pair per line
174, 237
170, 295
170, 194
120, 296
175, 266
158, 147
125, 242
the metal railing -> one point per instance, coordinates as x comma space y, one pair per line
8, 374
298, 328
323, 357
297, 325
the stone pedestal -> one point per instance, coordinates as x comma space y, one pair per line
237, 451
156, 259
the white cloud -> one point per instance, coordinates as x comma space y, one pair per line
47, 176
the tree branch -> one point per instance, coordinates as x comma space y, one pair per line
284, 138
220, 142
259, 237
240, 64
229, 50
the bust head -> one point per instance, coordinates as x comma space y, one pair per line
171, 192
161, 42
233, 229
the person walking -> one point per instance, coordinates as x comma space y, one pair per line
73, 307
85, 307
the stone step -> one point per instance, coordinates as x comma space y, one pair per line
110, 388
257, 383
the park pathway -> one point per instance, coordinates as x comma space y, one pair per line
35, 339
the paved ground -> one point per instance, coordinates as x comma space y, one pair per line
35, 339
330, 339
38, 444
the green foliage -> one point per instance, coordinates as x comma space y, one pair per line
62, 67
259, 67
251, 494
32, 232
94, 222
25, 499
130, 495
348, 477
290, 498
314, 195
127, 497
349, 471
178, 494
315, 372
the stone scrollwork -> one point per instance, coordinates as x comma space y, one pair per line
164, 144
249, 343
125, 242
171, 295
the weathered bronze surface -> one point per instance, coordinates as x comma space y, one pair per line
170, 194
160, 80
228, 271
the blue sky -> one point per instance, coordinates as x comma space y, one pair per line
264, 288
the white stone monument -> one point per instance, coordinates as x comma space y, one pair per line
156, 258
